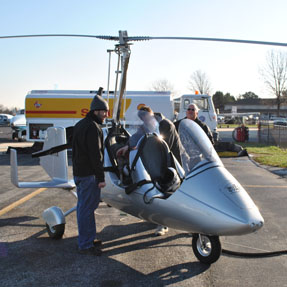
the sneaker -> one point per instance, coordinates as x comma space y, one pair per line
97, 242
161, 230
91, 251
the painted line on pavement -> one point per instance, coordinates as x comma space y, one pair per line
267, 186
20, 201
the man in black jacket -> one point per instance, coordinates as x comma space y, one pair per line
88, 161
192, 114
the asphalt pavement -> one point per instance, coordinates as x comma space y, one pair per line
133, 255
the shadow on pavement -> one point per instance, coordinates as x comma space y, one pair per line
43, 261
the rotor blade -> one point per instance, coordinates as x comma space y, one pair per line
209, 39
146, 38
62, 35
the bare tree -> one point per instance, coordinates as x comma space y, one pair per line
5, 110
274, 74
162, 85
199, 81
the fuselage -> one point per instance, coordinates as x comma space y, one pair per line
209, 201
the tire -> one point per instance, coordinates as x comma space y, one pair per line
209, 251
57, 231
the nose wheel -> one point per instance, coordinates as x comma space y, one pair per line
207, 249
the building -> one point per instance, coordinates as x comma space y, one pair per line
266, 107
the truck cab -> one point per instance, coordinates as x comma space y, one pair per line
206, 111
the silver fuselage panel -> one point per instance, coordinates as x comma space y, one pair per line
209, 201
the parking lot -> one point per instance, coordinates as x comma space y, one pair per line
133, 255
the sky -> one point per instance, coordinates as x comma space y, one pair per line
82, 63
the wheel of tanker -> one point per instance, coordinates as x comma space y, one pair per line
57, 231
207, 249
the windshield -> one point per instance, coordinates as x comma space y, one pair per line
202, 103
197, 146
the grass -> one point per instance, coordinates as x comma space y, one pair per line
267, 155
233, 126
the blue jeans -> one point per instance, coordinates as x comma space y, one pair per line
88, 200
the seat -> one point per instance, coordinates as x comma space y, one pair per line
116, 139
157, 160
155, 157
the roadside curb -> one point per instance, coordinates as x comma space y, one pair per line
276, 170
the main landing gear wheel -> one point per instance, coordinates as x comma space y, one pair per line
207, 249
56, 231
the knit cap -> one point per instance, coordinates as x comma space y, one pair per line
98, 103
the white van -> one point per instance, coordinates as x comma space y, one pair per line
206, 112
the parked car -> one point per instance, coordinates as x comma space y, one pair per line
280, 123
18, 125
229, 121
5, 119
220, 119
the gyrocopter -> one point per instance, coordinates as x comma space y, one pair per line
198, 196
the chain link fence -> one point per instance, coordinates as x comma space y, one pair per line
272, 133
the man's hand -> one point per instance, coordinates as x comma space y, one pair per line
101, 184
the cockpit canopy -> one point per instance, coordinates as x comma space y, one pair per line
196, 146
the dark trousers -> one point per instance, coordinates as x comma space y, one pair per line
88, 200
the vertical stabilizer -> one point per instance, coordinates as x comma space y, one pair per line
56, 165
14, 167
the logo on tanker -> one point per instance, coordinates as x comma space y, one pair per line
37, 105
84, 112
140, 106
